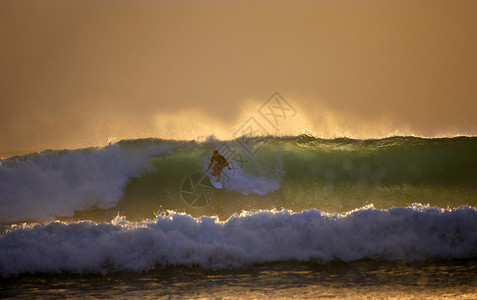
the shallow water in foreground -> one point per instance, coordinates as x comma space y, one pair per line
291, 280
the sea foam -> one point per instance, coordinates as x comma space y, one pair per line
50, 184
404, 234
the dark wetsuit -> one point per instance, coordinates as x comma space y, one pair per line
221, 162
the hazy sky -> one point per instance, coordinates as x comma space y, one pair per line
76, 73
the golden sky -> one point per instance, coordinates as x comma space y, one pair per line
77, 73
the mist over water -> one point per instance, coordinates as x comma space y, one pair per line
137, 69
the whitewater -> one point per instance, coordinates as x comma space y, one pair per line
403, 234
124, 207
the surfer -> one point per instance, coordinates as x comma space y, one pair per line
221, 163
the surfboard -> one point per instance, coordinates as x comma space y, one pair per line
217, 185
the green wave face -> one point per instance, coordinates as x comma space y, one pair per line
300, 173
141, 178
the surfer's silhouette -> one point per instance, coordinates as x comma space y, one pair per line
221, 163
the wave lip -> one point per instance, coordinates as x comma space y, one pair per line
404, 234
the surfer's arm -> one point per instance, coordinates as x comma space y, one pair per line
227, 164
211, 162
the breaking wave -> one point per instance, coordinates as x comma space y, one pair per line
396, 234
296, 173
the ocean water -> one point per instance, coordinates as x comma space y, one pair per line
297, 217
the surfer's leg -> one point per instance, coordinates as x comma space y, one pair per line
216, 170
218, 178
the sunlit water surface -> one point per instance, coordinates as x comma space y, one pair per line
361, 279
